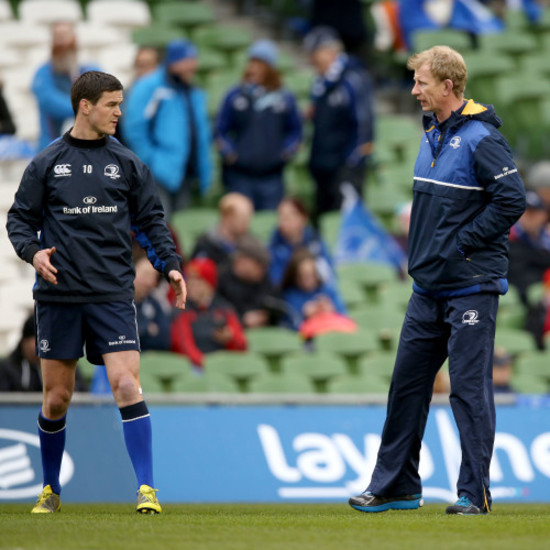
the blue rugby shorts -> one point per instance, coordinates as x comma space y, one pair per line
70, 330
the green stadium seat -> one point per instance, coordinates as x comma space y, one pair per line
511, 318
152, 384
370, 275
329, 224
86, 369
190, 223
318, 367
282, 383
456, 39
537, 364
165, 365
514, 43
353, 295
382, 319
206, 383
242, 367
300, 83
379, 364
484, 69
187, 15
358, 384
210, 62
228, 40
263, 224
156, 35
514, 341
529, 384
273, 343
395, 294
350, 346
219, 84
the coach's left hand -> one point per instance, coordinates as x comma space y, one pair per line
178, 284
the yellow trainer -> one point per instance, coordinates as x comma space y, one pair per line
48, 502
147, 502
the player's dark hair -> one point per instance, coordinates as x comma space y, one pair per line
91, 86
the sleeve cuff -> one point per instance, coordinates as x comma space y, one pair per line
29, 252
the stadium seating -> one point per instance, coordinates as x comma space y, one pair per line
206, 383
358, 384
191, 223
239, 366
273, 343
165, 365
320, 368
282, 383
349, 346
122, 14
187, 15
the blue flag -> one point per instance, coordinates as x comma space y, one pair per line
362, 238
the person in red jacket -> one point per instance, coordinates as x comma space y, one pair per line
209, 323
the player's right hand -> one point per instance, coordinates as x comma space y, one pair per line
44, 267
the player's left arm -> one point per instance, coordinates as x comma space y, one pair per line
151, 230
496, 172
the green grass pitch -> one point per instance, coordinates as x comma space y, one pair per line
272, 526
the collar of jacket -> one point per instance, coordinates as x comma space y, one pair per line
468, 110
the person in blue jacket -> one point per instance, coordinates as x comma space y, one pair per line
292, 233
342, 114
166, 124
258, 130
52, 83
304, 292
467, 194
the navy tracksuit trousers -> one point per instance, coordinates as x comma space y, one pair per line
462, 329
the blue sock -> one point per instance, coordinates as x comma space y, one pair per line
52, 445
136, 424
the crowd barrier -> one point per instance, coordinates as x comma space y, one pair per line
279, 451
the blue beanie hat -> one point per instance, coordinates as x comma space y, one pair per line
264, 50
178, 50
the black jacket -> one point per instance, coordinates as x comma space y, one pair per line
85, 198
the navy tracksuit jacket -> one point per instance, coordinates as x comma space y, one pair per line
467, 195
85, 197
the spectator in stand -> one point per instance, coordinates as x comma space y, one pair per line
208, 323
166, 123
146, 61
538, 180
343, 119
537, 320
292, 233
305, 293
503, 370
52, 84
219, 243
529, 246
153, 316
245, 284
258, 130
20, 371
7, 126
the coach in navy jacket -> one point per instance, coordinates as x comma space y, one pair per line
467, 195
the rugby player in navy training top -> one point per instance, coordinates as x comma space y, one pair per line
83, 195
467, 195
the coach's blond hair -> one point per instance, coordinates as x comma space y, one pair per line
444, 63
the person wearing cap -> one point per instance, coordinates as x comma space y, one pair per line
342, 114
20, 371
258, 130
209, 323
52, 83
529, 245
245, 284
166, 124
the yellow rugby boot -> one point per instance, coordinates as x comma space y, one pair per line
48, 502
147, 502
